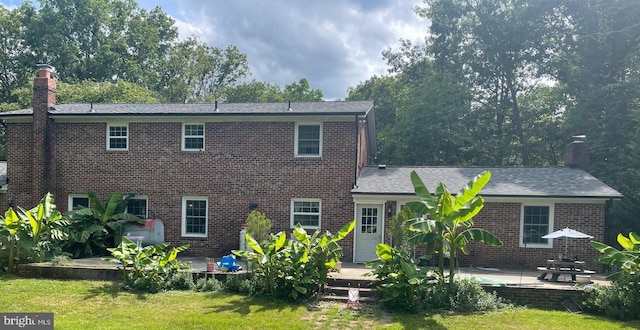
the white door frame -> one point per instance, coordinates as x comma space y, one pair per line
358, 204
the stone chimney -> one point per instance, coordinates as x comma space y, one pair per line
576, 153
44, 96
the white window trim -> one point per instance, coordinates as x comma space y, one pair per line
184, 216
109, 136
72, 196
293, 224
184, 136
551, 221
144, 197
296, 139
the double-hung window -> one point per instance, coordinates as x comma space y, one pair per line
536, 221
306, 212
194, 216
193, 137
138, 206
308, 141
117, 137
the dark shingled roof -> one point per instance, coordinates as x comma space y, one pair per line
297, 108
505, 181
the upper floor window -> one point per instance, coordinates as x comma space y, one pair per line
193, 137
117, 137
138, 206
306, 212
308, 140
194, 216
77, 201
536, 221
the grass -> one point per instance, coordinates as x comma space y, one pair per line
102, 305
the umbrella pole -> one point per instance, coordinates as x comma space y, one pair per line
566, 241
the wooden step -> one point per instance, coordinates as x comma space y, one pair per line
344, 299
344, 291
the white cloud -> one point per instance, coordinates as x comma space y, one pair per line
334, 44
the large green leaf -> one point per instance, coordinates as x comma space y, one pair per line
252, 243
472, 188
422, 191
384, 252
478, 235
301, 234
345, 230
281, 238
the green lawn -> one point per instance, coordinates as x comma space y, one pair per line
100, 305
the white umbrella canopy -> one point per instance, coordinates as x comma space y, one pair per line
567, 233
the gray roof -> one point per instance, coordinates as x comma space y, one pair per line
505, 181
281, 108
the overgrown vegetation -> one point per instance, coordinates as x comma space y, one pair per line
297, 268
445, 226
620, 300
95, 228
31, 235
150, 268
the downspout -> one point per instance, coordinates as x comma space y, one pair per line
355, 167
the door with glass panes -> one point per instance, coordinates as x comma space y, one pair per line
368, 232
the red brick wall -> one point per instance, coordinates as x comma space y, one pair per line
243, 163
503, 220
19, 165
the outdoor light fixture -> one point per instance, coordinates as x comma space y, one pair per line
253, 206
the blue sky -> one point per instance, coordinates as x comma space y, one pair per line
335, 44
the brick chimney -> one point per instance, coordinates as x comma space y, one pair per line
44, 96
576, 153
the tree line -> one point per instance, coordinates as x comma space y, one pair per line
124, 53
509, 82
495, 82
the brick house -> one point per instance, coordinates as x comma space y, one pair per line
521, 205
200, 168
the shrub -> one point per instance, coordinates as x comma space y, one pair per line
462, 296
400, 284
208, 285
179, 280
237, 284
617, 301
258, 226
149, 268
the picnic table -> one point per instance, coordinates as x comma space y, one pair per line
563, 267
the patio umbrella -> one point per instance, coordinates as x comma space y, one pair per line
566, 234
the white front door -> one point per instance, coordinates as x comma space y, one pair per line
368, 232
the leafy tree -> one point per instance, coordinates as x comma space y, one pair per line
500, 48
14, 55
195, 72
600, 66
301, 91
253, 91
447, 219
99, 40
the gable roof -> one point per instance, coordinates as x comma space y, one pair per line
360, 108
505, 181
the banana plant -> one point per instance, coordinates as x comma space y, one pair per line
628, 259
267, 258
445, 220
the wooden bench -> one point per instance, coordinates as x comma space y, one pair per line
556, 272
